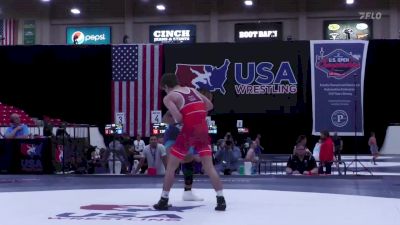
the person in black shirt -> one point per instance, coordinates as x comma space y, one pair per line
301, 162
338, 142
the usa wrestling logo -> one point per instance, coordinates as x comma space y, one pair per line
125, 213
203, 76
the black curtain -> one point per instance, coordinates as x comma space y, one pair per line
74, 83
68, 82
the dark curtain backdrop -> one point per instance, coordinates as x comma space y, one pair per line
68, 82
280, 130
73, 83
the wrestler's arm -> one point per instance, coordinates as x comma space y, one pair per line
172, 108
167, 118
209, 104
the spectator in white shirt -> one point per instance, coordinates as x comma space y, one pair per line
139, 144
156, 156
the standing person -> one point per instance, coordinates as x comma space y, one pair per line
373, 147
326, 153
138, 147
189, 107
139, 144
259, 149
251, 155
170, 135
338, 147
116, 156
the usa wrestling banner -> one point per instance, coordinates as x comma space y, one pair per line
337, 84
245, 78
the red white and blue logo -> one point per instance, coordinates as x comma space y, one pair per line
260, 79
59, 153
203, 76
125, 212
337, 64
32, 150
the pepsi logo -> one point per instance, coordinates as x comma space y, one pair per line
78, 37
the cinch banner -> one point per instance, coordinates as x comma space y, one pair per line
337, 84
172, 34
245, 78
88, 35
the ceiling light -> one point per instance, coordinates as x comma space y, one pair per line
160, 7
45, 0
349, 2
248, 2
75, 11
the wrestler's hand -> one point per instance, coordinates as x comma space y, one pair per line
167, 118
179, 126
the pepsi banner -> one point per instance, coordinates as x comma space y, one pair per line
244, 78
88, 35
337, 83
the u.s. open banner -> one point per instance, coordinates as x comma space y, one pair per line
337, 82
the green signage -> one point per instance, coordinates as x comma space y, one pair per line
29, 32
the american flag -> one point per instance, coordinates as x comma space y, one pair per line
8, 32
136, 72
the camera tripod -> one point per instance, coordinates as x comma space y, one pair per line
356, 161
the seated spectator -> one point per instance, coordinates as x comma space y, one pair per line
81, 165
17, 129
126, 141
301, 162
302, 139
228, 137
227, 158
156, 156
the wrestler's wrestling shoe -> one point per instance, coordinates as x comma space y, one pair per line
221, 204
162, 204
190, 196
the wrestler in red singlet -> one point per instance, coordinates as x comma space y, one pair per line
194, 131
189, 107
